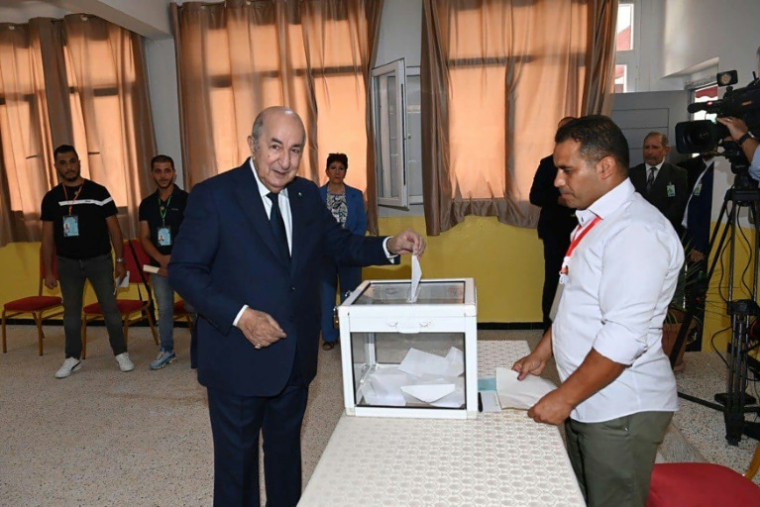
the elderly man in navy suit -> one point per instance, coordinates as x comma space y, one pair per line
248, 258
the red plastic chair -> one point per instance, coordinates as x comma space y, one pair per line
700, 485
131, 310
37, 306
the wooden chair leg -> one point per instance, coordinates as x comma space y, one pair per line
152, 325
84, 338
754, 465
38, 320
5, 349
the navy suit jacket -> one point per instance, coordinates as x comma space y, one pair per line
225, 257
700, 206
672, 207
356, 221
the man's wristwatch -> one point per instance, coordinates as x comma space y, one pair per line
120, 260
747, 135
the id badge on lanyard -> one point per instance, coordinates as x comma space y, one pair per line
70, 226
579, 235
165, 236
164, 233
71, 221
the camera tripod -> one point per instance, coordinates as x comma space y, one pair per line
734, 402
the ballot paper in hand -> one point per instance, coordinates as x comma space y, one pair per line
520, 394
414, 290
121, 283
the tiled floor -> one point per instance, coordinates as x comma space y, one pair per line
106, 438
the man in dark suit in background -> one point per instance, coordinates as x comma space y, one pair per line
555, 223
248, 259
700, 171
661, 183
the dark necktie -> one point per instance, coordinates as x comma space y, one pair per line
650, 179
278, 226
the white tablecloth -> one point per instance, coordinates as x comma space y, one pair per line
502, 459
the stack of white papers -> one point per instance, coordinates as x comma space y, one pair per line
421, 377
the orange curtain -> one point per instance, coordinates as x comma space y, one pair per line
79, 81
24, 132
497, 76
237, 58
112, 120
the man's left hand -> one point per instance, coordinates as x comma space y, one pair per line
551, 409
407, 242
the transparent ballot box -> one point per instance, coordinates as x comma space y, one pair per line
404, 359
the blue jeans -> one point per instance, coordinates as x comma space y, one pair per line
349, 277
72, 274
165, 300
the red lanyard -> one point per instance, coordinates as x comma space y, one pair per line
578, 236
65, 193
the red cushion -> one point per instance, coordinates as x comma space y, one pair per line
33, 303
179, 308
700, 485
125, 306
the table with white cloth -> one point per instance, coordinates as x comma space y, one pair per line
498, 459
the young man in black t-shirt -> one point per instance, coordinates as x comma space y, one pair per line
79, 225
161, 215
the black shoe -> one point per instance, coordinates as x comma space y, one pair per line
329, 345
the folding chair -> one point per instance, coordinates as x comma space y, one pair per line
37, 306
180, 312
131, 310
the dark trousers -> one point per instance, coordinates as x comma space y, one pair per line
696, 295
555, 247
72, 274
235, 424
333, 273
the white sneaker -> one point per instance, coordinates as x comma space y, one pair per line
125, 363
70, 365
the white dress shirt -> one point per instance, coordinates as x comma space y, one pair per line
697, 185
620, 281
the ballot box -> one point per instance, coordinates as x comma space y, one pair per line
410, 359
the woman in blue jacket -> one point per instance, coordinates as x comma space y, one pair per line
347, 206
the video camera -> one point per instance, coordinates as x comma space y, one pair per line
701, 136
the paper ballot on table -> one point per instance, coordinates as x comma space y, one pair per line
414, 290
521, 394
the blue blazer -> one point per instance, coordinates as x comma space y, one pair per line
224, 257
356, 221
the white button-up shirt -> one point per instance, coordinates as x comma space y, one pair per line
621, 279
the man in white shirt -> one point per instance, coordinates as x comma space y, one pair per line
618, 392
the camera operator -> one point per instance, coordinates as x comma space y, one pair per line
748, 143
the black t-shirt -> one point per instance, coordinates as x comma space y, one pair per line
174, 207
87, 206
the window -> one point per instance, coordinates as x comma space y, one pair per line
626, 46
704, 94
